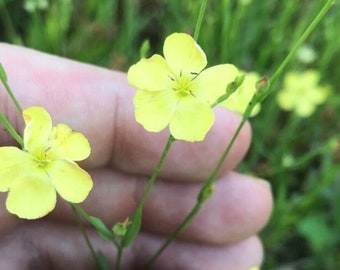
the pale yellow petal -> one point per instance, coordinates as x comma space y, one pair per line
285, 100
239, 103
212, 82
65, 143
239, 100
183, 55
72, 183
318, 95
192, 120
150, 74
15, 164
155, 109
32, 198
291, 79
305, 109
38, 129
310, 77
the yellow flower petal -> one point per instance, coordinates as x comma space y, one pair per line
72, 183
319, 94
285, 101
192, 120
183, 54
311, 77
65, 143
37, 131
239, 100
15, 164
32, 198
154, 110
305, 109
213, 81
150, 74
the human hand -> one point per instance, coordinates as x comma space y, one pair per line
98, 103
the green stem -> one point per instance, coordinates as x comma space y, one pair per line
3, 119
155, 172
302, 39
200, 19
3, 79
134, 227
118, 258
11, 129
78, 212
174, 235
82, 212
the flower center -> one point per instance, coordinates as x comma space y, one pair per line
40, 158
182, 85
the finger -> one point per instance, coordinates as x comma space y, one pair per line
239, 207
98, 102
45, 245
50, 246
187, 255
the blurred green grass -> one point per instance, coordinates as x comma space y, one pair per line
300, 157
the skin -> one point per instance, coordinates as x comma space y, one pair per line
98, 103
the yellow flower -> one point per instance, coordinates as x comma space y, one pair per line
301, 92
176, 91
239, 100
32, 176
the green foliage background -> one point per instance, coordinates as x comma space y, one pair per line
300, 157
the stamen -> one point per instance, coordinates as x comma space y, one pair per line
195, 74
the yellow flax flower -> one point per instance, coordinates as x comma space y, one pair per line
44, 167
302, 93
176, 91
239, 100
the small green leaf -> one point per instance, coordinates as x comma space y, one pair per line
101, 228
133, 228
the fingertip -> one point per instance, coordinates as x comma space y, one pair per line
243, 207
